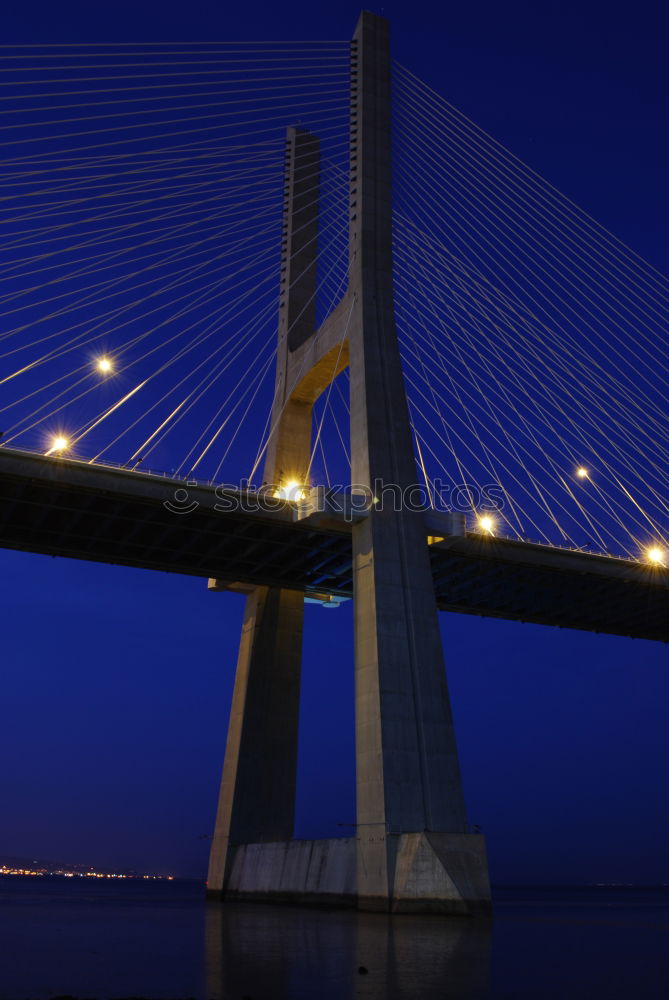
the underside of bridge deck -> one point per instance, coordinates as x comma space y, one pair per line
67, 508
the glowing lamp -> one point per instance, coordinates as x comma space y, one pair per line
291, 491
60, 443
487, 524
104, 366
294, 490
582, 472
656, 555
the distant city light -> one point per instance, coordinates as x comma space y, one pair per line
582, 472
487, 523
70, 873
656, 555
104, 365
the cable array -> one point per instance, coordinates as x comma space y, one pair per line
141, 209
534, 343
141, 212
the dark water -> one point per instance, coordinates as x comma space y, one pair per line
161, 940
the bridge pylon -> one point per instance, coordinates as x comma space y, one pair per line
412, 850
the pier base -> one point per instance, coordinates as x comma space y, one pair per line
433, 873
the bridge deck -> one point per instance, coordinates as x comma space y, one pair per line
69, 508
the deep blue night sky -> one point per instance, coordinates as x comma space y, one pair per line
116, 683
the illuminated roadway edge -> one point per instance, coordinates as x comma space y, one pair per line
64, 507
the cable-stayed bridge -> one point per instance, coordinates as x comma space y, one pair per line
464, 400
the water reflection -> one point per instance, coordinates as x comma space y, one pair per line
293, 953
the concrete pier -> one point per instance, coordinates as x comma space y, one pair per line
439, 873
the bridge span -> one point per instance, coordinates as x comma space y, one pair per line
64, 507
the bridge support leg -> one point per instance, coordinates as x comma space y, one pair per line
414, 852
257, 798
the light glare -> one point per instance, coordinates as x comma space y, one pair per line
582, 472
487, 523
291, 491
656, 555
104, 365
294, 490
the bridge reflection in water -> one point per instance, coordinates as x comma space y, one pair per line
298, 953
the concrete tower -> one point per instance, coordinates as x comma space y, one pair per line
411, 851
